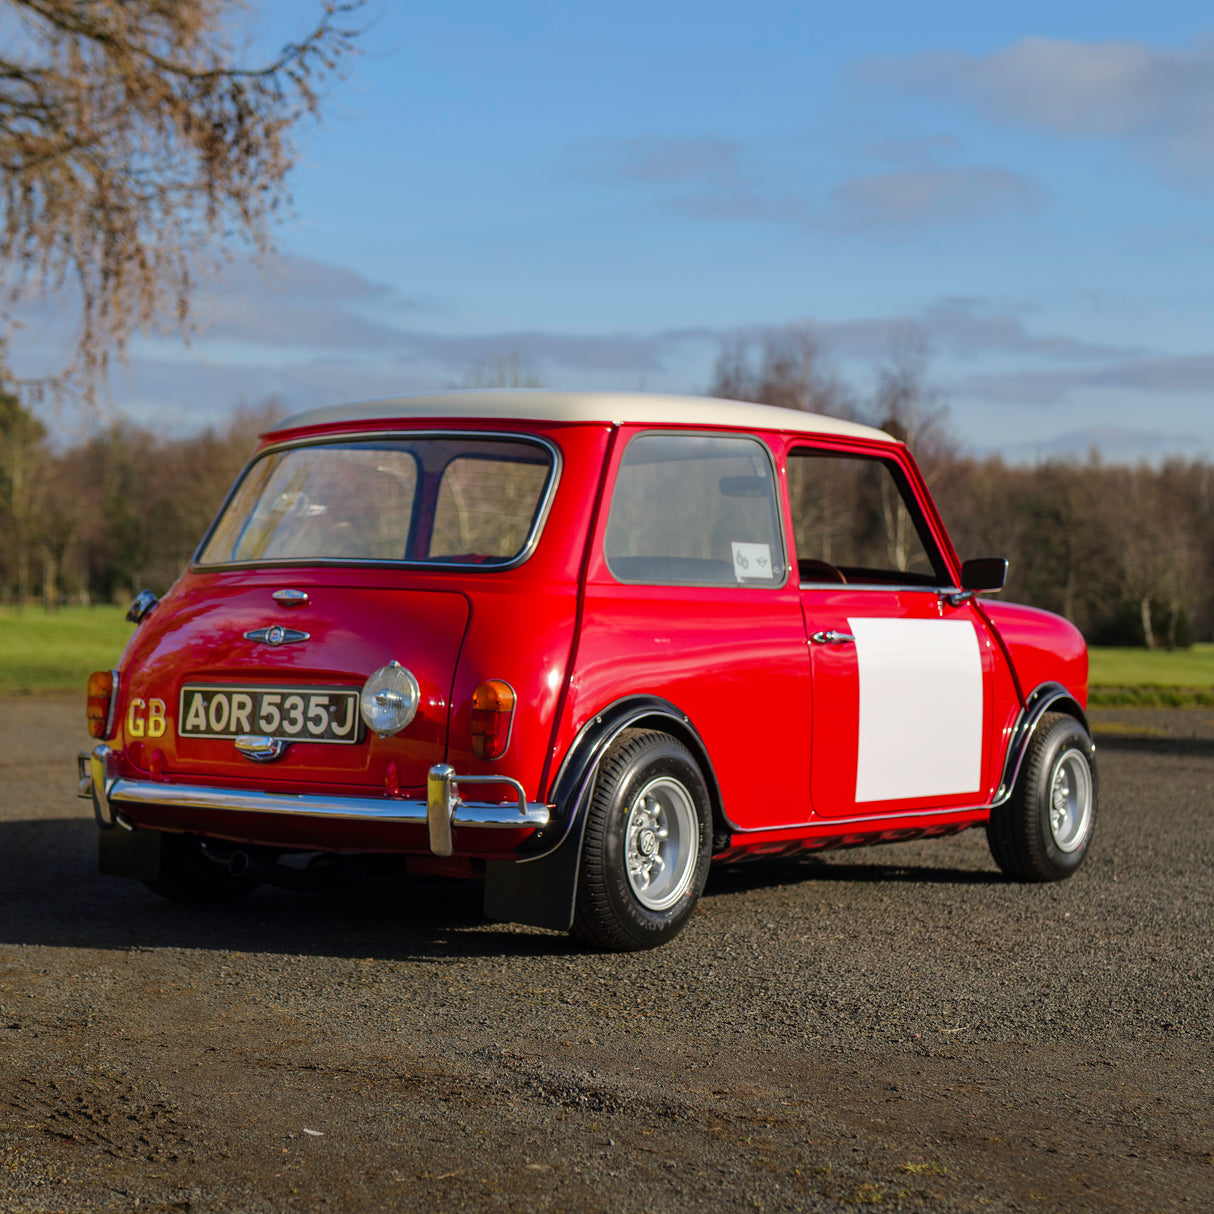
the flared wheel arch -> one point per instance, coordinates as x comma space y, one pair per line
578, 770
539, 886
1043, 699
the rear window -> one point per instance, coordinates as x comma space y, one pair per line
698, 510
450, 500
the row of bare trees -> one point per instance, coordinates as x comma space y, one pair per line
118, 511
1123, 551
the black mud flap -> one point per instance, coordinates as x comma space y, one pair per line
130, 853
542, 892
539, 892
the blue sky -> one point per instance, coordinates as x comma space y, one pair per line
613, 190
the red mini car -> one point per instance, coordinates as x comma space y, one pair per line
581, 646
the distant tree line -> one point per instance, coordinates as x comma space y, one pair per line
1123, 551
119, 511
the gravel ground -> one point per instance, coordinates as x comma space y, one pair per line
894, 1027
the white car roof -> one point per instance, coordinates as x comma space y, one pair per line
613, 407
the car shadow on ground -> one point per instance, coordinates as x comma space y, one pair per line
763, 873
52, 895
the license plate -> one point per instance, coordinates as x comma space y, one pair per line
295, 714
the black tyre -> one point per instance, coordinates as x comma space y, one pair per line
1042, 833
187, 875
647, 845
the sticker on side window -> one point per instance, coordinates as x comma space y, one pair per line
751, 561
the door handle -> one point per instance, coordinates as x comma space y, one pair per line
831, 638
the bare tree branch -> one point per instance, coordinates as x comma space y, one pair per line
133, 146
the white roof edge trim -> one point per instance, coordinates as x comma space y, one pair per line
619, 408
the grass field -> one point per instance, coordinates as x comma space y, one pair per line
40, 652
1134, 667
1152, 678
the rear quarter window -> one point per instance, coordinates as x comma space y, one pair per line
692, 509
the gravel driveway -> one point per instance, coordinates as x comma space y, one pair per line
895, 1027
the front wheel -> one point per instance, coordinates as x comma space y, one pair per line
647, 844
1043, 831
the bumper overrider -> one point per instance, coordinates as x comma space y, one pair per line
443, 810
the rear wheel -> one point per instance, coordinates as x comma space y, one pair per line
1043, 831
187, 874
647, 844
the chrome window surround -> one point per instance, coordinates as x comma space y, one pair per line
111, 717
533, 537
898, 475
666, 432
884, 587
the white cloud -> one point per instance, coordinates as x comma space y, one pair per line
297, 302
660, 160
1187, 375
1160, 101
1118, 443
926, 196
196, 387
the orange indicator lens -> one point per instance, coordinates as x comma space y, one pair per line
492, 710
100, 694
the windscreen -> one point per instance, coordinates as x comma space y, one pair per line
455, 500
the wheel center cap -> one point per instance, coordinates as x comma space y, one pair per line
647, 841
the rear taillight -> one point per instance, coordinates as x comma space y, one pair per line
492, 713
102, 694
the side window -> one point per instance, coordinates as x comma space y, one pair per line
696, 510
856, 520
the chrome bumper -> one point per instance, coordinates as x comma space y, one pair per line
443, 809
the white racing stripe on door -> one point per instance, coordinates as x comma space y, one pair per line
920, 708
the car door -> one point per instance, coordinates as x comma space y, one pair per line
689, 598
901, 673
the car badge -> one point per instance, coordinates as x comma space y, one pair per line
276, 635
291, 598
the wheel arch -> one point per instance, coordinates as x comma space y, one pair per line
539, 888
1046, 697
594, 739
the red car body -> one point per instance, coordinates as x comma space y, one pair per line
822, 705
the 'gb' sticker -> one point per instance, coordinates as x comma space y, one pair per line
152, 724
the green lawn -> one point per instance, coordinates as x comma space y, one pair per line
41, 652
1149, 677
1156, 667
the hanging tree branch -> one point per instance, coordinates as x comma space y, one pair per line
132, 146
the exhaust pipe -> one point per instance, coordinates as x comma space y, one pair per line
237, 863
